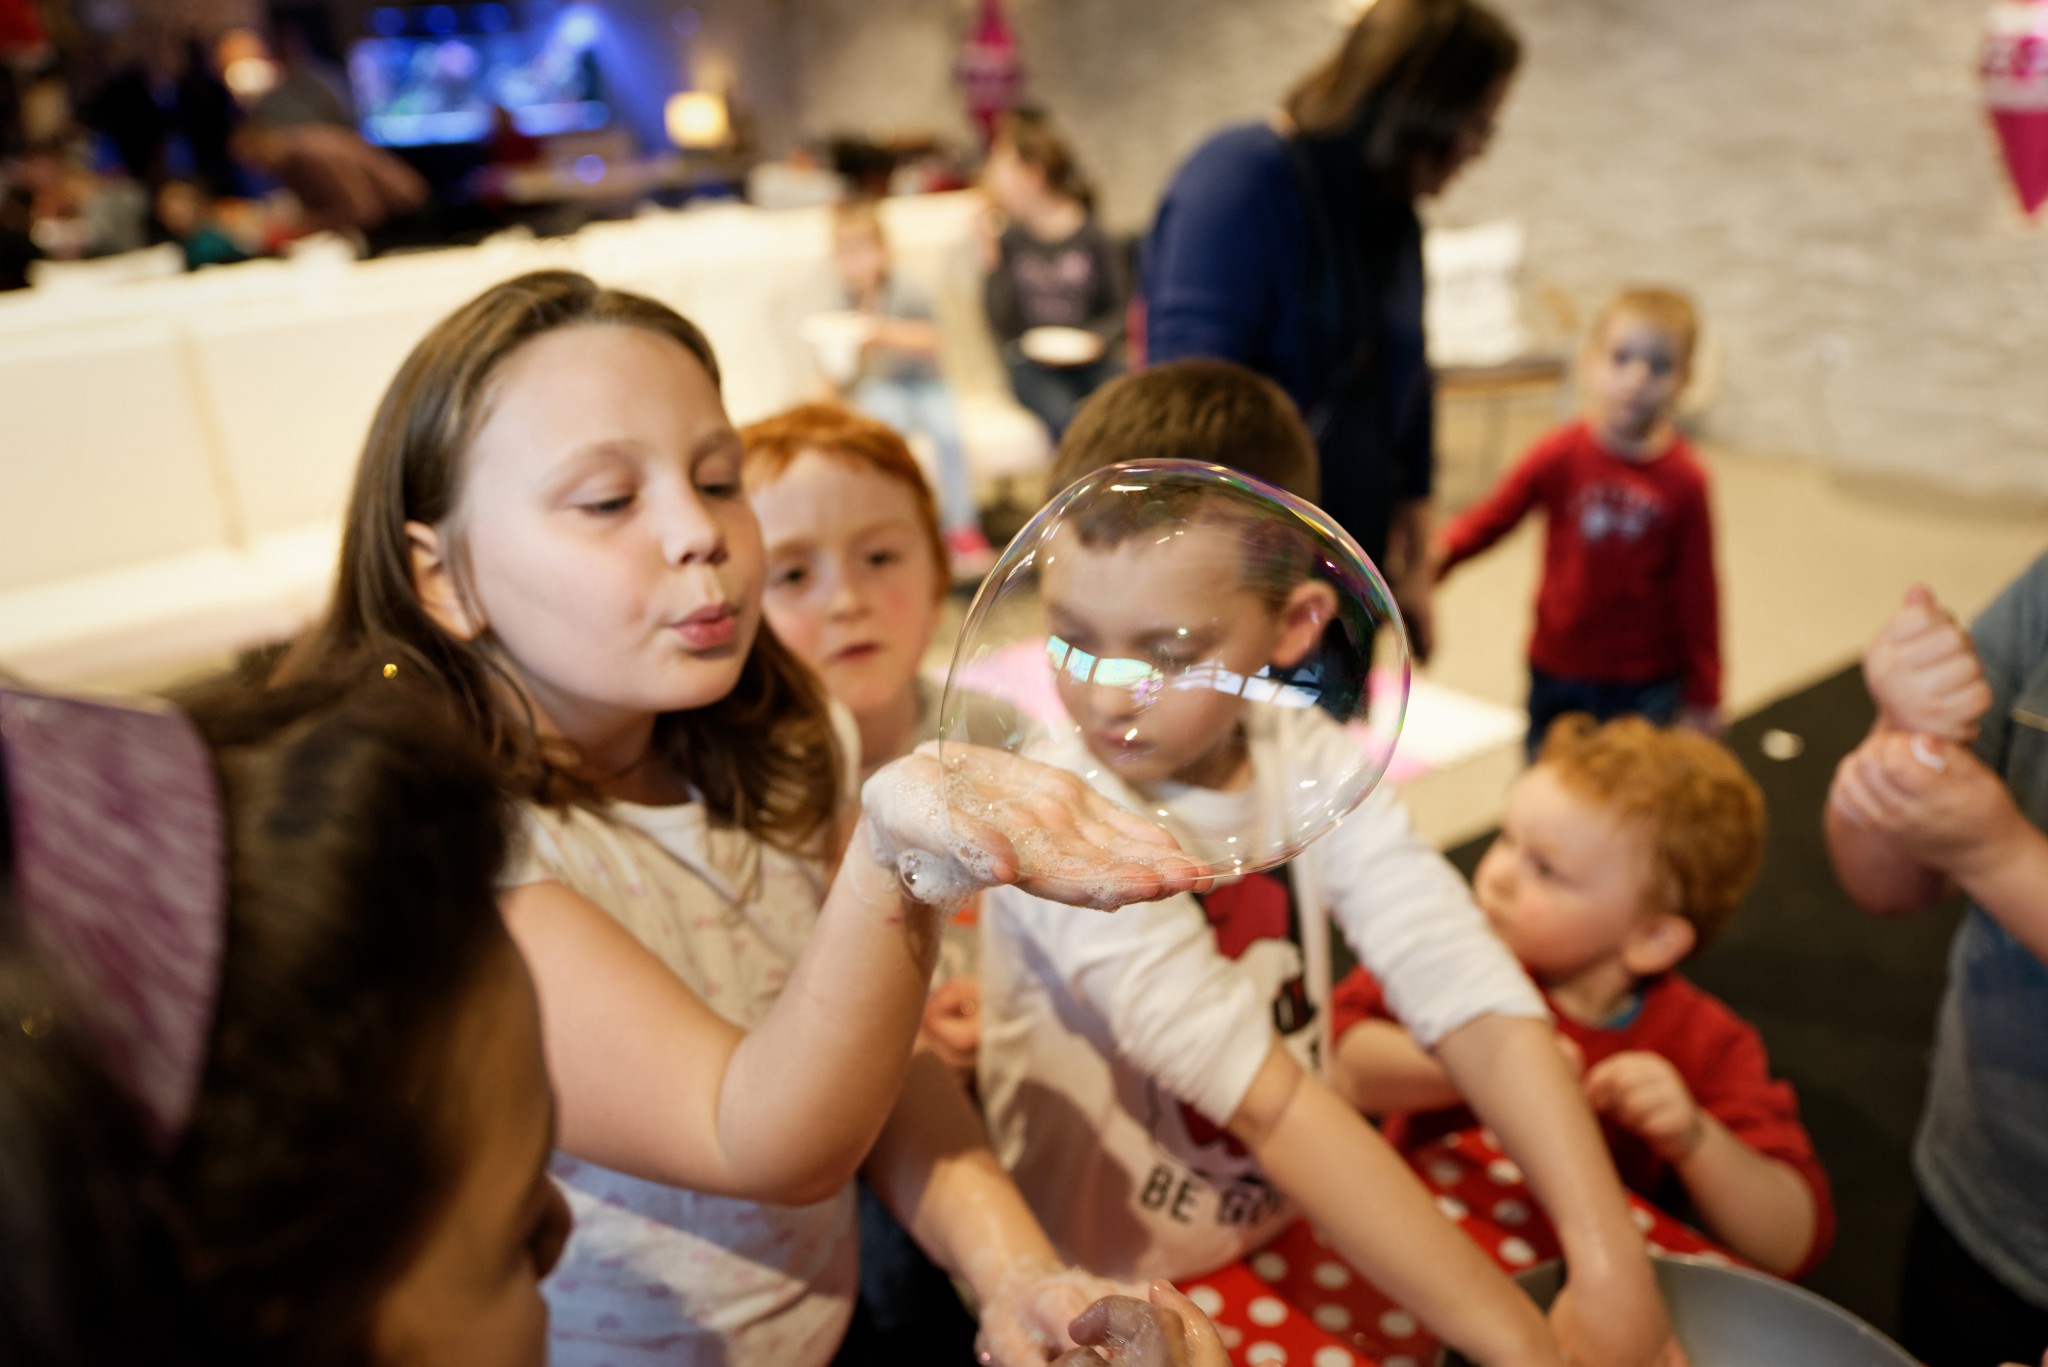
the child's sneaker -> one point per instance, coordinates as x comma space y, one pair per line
969, 554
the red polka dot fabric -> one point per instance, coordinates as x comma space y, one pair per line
1297, 1303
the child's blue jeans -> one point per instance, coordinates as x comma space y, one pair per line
913, 406
1550, 697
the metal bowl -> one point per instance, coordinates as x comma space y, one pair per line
1733, 1317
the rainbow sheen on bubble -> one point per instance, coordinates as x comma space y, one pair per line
1199, 646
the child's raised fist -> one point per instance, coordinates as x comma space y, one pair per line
1923, 672
1643, 1093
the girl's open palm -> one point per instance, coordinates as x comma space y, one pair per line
982, 817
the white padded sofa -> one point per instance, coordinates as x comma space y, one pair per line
175, 453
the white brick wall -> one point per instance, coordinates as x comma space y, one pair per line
1817, 171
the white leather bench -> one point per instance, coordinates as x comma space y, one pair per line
177, 452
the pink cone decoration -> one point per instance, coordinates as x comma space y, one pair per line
2015, 76
990, 74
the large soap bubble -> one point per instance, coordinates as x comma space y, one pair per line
1159, 623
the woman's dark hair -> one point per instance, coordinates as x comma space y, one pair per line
365, 838
1407, 81
762, 758
1038, 144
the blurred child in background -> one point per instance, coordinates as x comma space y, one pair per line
896, 377
1056, 285
1628, 612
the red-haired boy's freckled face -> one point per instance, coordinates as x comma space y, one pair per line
1566, 881
853, 587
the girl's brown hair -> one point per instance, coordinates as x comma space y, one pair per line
853, 440
762, 758
1408, 79
1038, 144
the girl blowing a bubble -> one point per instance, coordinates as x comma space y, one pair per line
548, 526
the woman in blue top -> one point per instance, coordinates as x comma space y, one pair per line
1293, 247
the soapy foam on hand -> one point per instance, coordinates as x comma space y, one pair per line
1028, 1310
898, 800
1100, 877
903, 804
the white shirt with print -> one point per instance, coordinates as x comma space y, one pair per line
1114, 1047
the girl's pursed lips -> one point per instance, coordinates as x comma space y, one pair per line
712, 625
710, 612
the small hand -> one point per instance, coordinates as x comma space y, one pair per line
1434, 565
1170, 1331
1415, 596
1626, 1327
1644, 1094
1026, 1321
986, 817
952, 1021
1922, 671
1937, 800
1413, 566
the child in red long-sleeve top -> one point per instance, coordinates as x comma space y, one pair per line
1621, 853
1628, 615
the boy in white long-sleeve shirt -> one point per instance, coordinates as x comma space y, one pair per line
1151, 1078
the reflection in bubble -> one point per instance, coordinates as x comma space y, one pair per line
1158, 626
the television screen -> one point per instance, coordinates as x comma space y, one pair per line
441, 73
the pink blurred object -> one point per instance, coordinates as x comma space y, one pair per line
120, 871
2014, 71
989, 73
